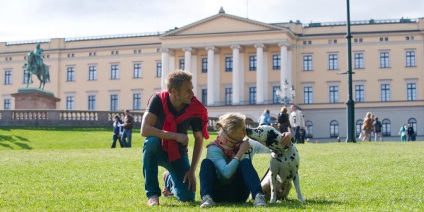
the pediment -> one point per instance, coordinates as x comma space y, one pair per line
220, 24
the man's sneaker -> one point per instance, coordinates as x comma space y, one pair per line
165, 191
259, 200
154, 200
207, 202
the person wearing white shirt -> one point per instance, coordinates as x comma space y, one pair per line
297, 122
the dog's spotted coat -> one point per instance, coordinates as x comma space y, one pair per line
284, 164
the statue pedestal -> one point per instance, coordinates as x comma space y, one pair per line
34, 98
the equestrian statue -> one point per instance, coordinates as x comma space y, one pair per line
35, 65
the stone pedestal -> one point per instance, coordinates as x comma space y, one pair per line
33, 99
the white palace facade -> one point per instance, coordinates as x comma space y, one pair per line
237, 65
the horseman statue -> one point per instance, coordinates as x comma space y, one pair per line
36, 66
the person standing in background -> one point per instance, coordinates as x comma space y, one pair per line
128, 125
283, 121
402, 133
297, 122
265, 118
117, 132
377, 129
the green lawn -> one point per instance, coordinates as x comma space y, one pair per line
74, 169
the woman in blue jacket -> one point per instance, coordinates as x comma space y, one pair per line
117, 132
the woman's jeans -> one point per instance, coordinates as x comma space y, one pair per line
153, 157
245, 181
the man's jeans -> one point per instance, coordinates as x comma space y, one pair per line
297, 137
153, 157
126, 137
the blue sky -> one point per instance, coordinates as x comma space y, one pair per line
44, 19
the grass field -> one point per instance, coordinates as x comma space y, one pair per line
74, 169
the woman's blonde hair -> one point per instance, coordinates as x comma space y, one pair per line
368, 115
229, 122
283, 109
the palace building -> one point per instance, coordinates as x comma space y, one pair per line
239, 64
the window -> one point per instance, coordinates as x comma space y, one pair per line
333, 63
359, 93
114, 72
92, 73
334, 94
204, 65
228, 64
205, 96
137, 70
113, 102
384, 60
91, 102
181, 64
26, 77
410, 59
359, 60
385, 92
358, 126
358, 40
307, 95
413, 122
6, 104
386, 127
274, 94
307, 62
309, 129
69, 103
228, 96
70, 74
136, 101
158, 69
252, 63
276, 62
412, 91
252, 95
334, 129
8, 77
385, 39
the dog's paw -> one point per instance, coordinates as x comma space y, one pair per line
301, 199
274, 200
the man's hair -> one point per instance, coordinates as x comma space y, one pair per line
127, 111
176, 78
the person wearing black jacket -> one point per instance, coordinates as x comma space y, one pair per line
283, 121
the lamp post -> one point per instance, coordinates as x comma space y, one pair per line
289, 93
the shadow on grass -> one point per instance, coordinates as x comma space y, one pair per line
85, 129
17, 140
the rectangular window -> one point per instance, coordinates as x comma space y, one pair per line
359, 60
252, 95
252, 63
69, 103
307, 95
412, 91
114, 72
92, 73
137, 70
8, 77
307, 62
410, 59
275, 99
158, 69
136, 101
181, 64
204, 96
6, 104
228, 64
228, 96
384, 60
204, 65
385, 92
114, 102
92, 102
333, 62
70, 74
276, 62
359, 93
334, 94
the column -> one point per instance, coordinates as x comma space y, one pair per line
211, 75
236, 73
283, 65
165, 67
261, 86
187, 59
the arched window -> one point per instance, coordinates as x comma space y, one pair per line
386, 127
413, 122
334, 129
309, 129
359, 126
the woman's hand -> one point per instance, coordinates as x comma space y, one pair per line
287, 136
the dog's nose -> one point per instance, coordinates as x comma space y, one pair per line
248, 131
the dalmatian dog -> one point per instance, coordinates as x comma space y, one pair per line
284, 163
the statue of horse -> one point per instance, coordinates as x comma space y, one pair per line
42, 71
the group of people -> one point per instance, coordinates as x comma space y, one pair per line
370, 125
226, 174
122, 130
407, 131
294, 123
